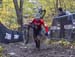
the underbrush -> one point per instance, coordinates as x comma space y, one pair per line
1, 51
64, 43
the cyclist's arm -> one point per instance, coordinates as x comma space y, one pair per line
32, 23
44, 25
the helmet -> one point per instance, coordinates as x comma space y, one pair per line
40, 7
37, 16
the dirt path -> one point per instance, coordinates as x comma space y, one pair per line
20, 50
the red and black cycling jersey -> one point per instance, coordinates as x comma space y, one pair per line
39, 24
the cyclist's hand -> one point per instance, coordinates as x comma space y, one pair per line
46, 33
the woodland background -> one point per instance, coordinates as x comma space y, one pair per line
8, 13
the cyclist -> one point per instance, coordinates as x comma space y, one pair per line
37, 25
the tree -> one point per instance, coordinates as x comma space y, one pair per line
19, 12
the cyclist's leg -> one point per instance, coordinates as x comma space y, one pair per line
36, 39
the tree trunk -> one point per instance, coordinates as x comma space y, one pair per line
56, 8
19, 12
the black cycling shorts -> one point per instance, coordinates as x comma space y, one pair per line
36, 32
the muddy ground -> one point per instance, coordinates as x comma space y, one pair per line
29, 50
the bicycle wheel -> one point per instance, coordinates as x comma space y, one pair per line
26, 34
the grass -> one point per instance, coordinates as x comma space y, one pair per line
1, 51
62, 42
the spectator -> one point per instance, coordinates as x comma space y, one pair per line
61, 12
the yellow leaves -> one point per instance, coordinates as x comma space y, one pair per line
4, 0
0, 19
1, 48
13, 26
7, 15
1, 51
4, 12
43, 1
11, 5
